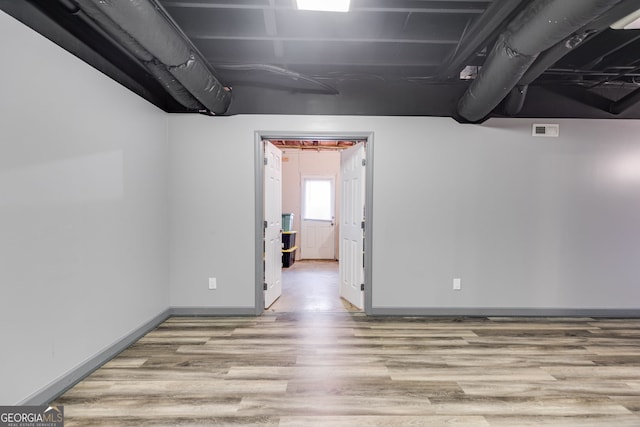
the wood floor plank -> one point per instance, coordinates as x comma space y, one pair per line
125, 362
588, 372
334, 366
99, 388
570, 421
382, 421
629, 349
188, 421
319, 372
364, 386
595, 388
335, 405
469, 374
346, 369
559, 407
415, 333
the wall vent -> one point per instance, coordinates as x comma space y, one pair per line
545, 130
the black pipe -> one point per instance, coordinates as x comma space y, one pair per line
493, 82
171, 85
142, 21
108, 30
514, 102
539, 26
70, 28
93, 16
145, 29
196, 77
107, 24
485, 27
553, 55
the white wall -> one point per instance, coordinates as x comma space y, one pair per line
83, 209
299, 163
211, 213
525, 222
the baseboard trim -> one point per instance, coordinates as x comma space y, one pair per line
64, 383
61, 385
53, 390
511, 312
212, 311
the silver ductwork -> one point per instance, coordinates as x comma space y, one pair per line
144, 30
541, 25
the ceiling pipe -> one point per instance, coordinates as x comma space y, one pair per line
482, 30
514, 102
586, 33
540, 25
92, 11
173, 86
554, 54
91, 15
145, 30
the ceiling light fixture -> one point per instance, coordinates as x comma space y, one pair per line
630, 22
324, 5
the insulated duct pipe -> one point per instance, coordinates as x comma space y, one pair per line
92, 14
484, 28
142, 27
557, 52
541, 25
514, 101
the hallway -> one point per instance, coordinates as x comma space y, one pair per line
311, 286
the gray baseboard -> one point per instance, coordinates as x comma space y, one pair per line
213, 311
510, 312
59, 386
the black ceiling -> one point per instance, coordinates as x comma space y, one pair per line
383, 57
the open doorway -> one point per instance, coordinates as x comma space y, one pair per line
332, 267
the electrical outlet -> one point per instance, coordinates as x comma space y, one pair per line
213, 283
457, 284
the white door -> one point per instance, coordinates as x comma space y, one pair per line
273, 220
352, 170
317, 240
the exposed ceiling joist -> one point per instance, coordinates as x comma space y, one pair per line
313, 144
385, 57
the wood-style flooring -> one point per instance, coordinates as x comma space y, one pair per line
311, 286
340, 368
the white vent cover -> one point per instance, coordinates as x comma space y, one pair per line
545, 130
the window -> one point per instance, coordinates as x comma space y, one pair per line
317, 199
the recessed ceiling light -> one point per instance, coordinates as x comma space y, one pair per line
324, 5
631, 22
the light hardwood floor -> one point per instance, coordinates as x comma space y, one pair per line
338, 368
311, 286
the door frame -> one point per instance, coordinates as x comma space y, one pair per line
259, 136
